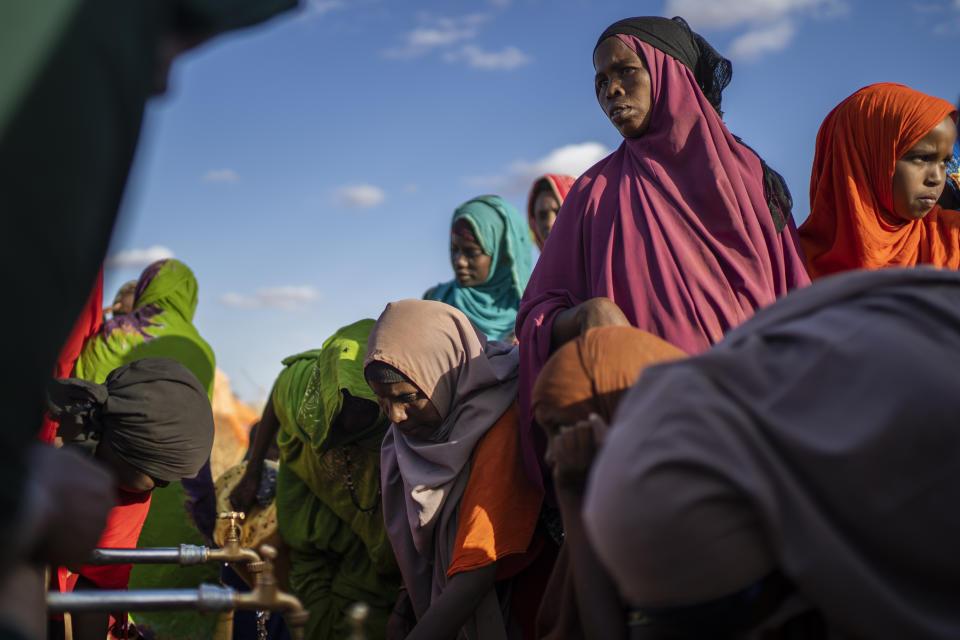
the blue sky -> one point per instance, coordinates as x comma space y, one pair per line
307, 169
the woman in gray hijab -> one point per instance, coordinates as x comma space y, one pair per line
816, 446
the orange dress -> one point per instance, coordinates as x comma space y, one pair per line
500, 505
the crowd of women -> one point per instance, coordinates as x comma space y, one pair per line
660, 430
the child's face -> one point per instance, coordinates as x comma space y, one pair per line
921, 173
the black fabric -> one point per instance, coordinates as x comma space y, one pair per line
713, 73
675, 38
153, 412
382, 373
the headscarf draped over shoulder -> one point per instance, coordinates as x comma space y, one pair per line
472, 383
713, 73
498, 229
675, 226
153, 412
851, 186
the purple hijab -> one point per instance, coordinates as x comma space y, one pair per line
673, 226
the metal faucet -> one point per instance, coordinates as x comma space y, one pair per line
264, 596
231, 551
267, 596
185, 555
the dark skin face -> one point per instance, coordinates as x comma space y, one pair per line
128, 477
921, 173
356, 414
408, 407
471, 265
545, 207
552, 419
622, 85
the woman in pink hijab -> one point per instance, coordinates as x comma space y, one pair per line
683, 231
546, 196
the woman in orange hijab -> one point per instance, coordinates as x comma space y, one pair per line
878, 170
574, 398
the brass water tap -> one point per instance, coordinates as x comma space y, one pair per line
266, 595
231, 551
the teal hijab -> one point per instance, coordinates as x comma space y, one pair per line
502, 234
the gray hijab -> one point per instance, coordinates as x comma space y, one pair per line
472, 383
821, 438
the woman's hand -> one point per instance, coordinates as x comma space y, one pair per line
245, 493
402, 619
572, 449
595, 312
600, 312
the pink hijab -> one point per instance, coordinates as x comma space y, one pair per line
560, 186
673, 226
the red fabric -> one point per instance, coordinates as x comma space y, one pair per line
673, 226
857, 149
122, 532
560, 185
87, 324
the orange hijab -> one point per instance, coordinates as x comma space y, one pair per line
598, 367
852, 182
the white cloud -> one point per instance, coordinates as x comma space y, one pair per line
221, 175
359, 196
761, 40
137, 258
318, 8
455, 40
571, 159
288, 298
437, 32
770, 24
508, 58
722, 14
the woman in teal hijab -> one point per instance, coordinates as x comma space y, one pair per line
161, 324
490, 253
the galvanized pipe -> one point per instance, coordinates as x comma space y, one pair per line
185, 555
206, 597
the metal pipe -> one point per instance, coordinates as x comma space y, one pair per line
265, 595
185, 555
206, 597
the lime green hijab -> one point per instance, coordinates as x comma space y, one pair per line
308, 394
159, 325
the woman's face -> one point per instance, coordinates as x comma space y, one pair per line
356, 414
471, 266
552, 419
128, 477
622, 85
408, 407
545, 207
921, 173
